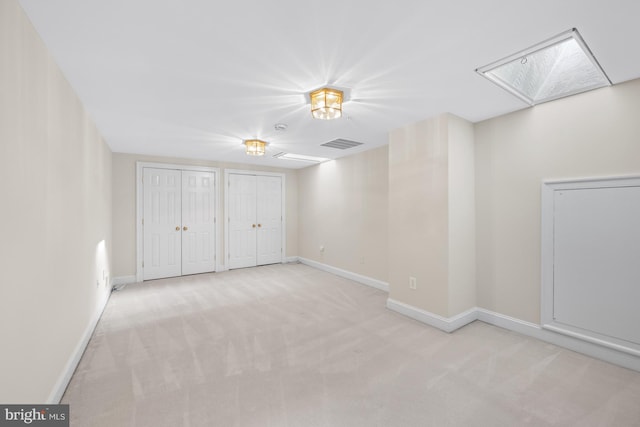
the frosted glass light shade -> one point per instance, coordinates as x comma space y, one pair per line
558, 67
326, 103
255, 147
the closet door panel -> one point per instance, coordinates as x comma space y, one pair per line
269, 216
162, 222
242, 220
198, 222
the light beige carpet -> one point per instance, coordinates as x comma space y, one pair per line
289, 345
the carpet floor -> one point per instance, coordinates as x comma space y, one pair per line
289, 345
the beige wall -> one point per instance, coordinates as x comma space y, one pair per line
343, 206
55, 187
418, 214
124, 205
431, 215
592, 134
462, 229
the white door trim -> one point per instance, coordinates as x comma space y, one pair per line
140, 204
548, 188
226, 210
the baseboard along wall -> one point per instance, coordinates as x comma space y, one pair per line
65, 376
365, 280
446, 324
451, 324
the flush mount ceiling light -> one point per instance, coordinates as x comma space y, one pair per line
559, 67
326, 103
301, 158
255, 147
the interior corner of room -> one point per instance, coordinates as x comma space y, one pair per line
447, 216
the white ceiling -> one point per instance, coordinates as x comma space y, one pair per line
193, 78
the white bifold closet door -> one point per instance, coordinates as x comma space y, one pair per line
198, 222
269, 217
255, 220
178, 223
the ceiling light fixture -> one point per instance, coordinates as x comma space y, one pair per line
558, 67
326, 103
255, 147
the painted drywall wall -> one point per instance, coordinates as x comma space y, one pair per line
592, 134
124, 205
432, 215
462, 230
418, 214
343, 206
55, 182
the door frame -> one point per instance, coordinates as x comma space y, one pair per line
227, 172
140, 208
547, 320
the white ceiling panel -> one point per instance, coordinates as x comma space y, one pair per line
194, 78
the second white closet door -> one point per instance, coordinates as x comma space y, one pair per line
255, 220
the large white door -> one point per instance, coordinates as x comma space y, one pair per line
242, 220
198, 222
162, 223
178, 222
596, 248
269, 216
255, 220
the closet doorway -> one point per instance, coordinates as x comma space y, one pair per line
255, 221
176, 220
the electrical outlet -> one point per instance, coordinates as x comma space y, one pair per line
412, 283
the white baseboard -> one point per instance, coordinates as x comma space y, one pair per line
447, 324
536, 331
123, 280
290, 259
63, 380
533, 330
369, 281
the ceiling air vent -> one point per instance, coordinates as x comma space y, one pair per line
341, 144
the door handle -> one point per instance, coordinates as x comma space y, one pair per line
259, 225
178, 228
253, 225
185, 228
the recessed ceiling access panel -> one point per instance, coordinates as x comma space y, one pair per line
591, 261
